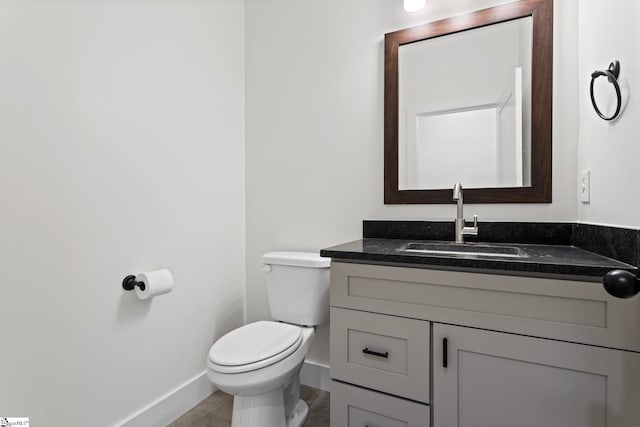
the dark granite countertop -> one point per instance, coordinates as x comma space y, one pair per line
560, 261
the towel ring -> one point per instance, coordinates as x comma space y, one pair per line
612, 74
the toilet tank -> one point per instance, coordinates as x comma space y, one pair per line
297, 285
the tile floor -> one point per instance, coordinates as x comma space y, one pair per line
215, 411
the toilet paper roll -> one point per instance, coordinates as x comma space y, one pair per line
156, 283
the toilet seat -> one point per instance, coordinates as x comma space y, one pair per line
254, 346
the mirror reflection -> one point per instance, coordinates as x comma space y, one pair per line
464, 108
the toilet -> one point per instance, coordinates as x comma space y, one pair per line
259, 363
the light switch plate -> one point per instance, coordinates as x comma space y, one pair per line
585, 186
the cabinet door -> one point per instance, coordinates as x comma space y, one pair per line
494, 379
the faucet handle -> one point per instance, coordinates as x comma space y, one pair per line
471, 231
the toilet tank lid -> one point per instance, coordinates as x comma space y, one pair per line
296, 259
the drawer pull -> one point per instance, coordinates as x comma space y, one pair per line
445, 353
375, 353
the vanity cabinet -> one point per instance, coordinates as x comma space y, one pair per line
475, 349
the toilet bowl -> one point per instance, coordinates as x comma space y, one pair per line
266, 389
260, 363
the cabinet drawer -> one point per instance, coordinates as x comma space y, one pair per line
381, 352
356, 407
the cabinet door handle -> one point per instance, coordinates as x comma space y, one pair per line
375, 353
445, 352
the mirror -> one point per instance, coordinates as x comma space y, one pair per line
477, 108
468, 99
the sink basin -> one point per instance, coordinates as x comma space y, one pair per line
468, 249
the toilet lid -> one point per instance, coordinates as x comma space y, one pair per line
256, 342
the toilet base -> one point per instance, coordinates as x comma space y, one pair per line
299, 414
267, 410
269, 396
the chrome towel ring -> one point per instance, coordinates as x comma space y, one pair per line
612, 74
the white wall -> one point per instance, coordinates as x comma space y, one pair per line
121, 150
608, 31
314, 127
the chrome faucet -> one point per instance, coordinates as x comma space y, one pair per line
461, 229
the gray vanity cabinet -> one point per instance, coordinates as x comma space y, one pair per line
520, 351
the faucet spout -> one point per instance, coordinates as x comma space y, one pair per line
457, 191
457, 196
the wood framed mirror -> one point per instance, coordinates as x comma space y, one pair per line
491, 128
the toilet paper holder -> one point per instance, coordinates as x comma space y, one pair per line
129, 283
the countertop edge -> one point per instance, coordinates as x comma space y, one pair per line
563, 271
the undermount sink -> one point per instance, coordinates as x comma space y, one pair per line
468, 249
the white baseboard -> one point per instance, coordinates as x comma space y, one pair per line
315, 375
172, 405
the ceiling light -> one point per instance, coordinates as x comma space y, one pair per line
413, 5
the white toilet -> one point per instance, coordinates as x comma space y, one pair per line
260, 363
